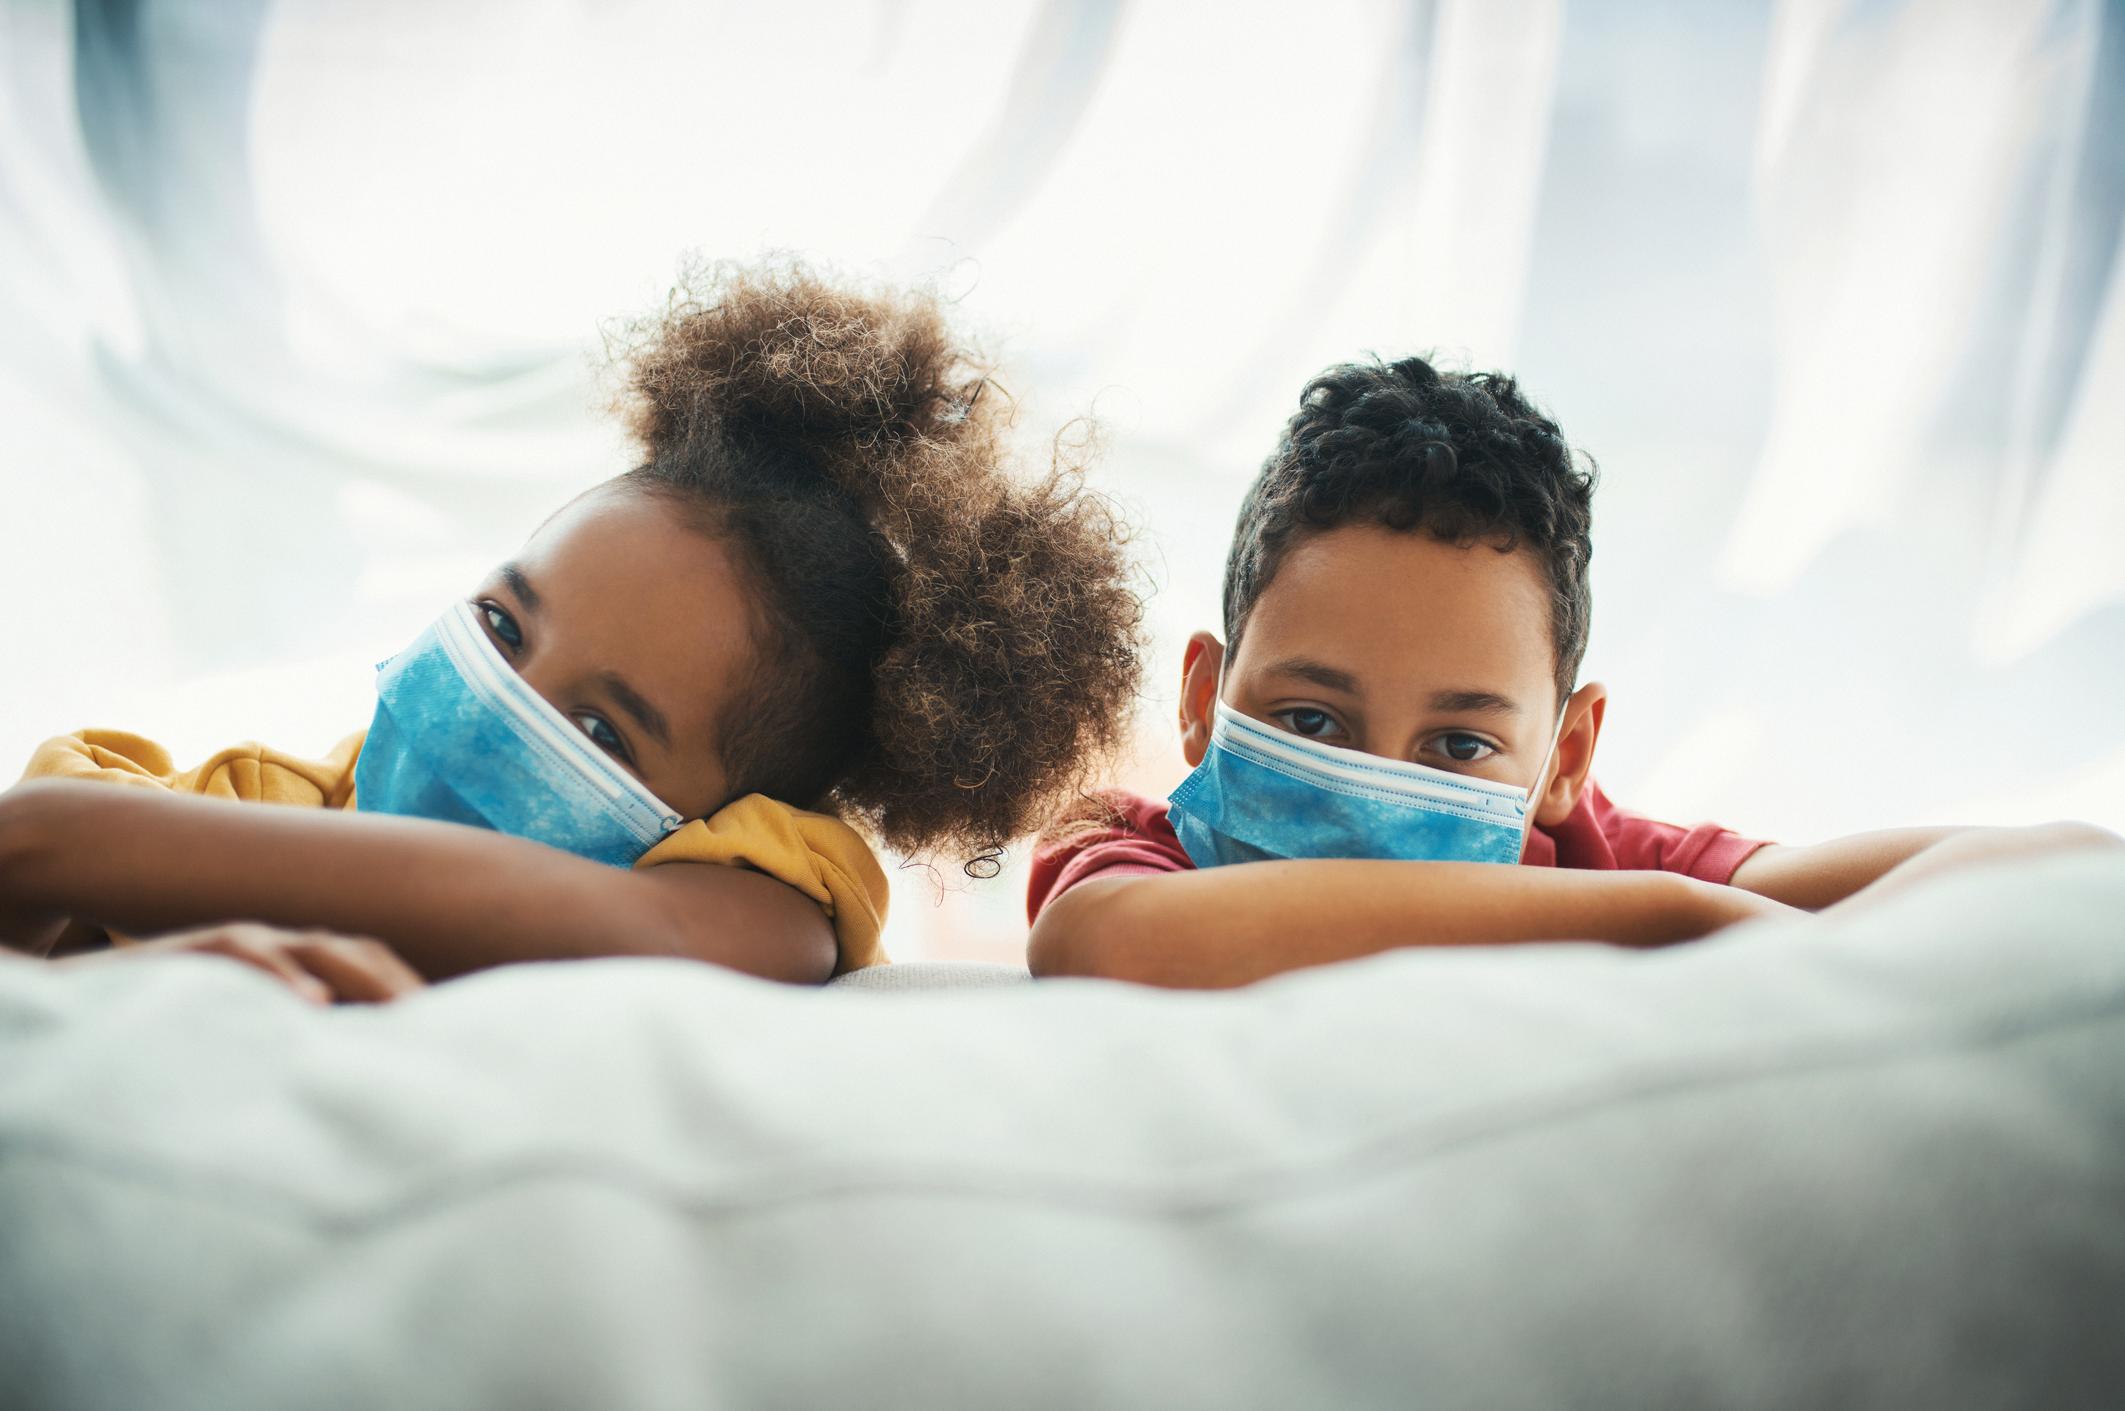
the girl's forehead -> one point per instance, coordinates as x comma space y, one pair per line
625, 585
615, 539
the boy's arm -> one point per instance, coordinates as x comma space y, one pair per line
449, 899
1234, 925
1824, 874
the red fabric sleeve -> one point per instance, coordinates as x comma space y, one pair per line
1137, 840
1599, 836
1711, 853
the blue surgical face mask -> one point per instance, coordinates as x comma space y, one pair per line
1262, 793
459, 736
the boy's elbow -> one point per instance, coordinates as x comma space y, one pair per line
1059, 947
1083, 934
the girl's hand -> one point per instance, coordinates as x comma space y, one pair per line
320, 966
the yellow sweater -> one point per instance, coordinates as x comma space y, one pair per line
821, 857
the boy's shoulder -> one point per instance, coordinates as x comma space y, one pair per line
1600, 836
1115, 833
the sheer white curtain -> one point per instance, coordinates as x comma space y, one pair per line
300, 307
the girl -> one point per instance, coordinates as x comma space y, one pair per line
818, 604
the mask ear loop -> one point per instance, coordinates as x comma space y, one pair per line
1217, 702
1542, 782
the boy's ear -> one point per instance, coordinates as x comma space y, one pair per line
1575, 754
1199, 668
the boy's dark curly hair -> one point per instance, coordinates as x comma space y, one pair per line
944, 651
1465, 457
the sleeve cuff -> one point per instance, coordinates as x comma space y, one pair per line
1712, 854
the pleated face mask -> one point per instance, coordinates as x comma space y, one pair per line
1262, 793
460, 737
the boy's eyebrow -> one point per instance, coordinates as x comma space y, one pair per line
646, 715
1480, 702
1319, 673
520, 585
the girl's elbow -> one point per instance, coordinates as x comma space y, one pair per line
757, 926
806, 951
805, 955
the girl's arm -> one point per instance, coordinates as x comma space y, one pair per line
1234, 925
449, 899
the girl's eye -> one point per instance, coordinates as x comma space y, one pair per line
1312, 724
503, 626
1465, 749
603, 736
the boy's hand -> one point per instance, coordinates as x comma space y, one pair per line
1963, 849
1866, 867
320, 966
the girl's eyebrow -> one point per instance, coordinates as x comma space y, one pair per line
630, 700
520, 585
625, 696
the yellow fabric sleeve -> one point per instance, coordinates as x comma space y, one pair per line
820, 856
249, 773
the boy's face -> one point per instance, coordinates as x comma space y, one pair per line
636, 627
1396, 644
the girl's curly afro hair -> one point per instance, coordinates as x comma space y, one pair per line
945, 650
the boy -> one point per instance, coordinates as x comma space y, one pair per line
1392, 710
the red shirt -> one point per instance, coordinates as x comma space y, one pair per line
1596, 835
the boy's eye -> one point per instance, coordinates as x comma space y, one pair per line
602, 735
1311, 723
502, 625
1465, 749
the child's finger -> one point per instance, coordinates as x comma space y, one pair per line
359, 971
233, 944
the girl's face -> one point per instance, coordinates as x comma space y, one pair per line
637, 628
